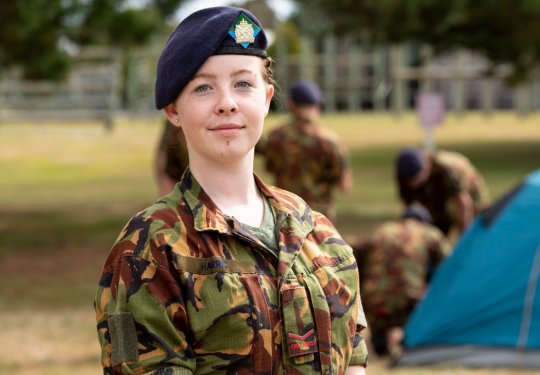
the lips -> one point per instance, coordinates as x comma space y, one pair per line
227, 130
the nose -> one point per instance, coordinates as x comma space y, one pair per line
226, 104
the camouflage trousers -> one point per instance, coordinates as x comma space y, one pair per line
379, 321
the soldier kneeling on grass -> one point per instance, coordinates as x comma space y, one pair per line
444, 182
397, 262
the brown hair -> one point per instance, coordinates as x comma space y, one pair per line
268, 72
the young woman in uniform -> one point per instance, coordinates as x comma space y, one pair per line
226, 274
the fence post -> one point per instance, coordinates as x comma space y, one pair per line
330, 72
488, 96
536, 90
396, 61
355, 84
2, 98
113, 95
306, 58
458, 84
282, 67
379, 86
523, 99
426, 83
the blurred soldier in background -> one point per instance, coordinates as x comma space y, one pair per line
172, 158
306, 158
445, 182
397, 262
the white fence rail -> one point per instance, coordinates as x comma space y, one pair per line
89, 94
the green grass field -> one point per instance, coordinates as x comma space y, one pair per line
67, 190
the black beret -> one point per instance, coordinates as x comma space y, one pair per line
409, 162
304, 91
417, 212
207, 32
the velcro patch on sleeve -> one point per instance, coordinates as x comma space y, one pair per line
124, 343
299, 325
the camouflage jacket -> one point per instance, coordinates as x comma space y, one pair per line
451, 174
308, 160
185, 290
173, 143
402, 254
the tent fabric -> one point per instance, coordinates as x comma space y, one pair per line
491, 213
486, 294
470, 355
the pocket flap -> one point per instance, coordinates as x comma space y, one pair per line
301, 336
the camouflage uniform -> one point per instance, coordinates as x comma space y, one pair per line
308, 160
402, 255
451, 174
187, 291
173, 143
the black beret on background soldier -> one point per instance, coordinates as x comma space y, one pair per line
226, 274
305, 157
445, 183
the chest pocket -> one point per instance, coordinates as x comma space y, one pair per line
301, 335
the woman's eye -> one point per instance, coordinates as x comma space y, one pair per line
243, 84
202, 88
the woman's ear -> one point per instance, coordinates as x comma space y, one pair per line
172, 114
269, 96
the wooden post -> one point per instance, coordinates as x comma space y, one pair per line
379, 68
518, 99
426, 83
530, 96
2, 94
396, 60
458, 85
406, 63
282, 70
536, 92
523, 99
330, 72
355, 89
488, 96
306, 58
113, 95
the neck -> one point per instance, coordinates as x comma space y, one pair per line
230, 185
306, 118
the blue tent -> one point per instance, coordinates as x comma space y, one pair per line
483, 306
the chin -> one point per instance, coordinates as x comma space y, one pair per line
227, 155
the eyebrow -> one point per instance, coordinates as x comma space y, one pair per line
242, 71
204, 75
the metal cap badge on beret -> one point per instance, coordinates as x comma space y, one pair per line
207, 32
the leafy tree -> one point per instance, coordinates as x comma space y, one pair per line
505, 31
29, 34
30, 30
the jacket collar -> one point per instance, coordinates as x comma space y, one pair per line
294, 219
207, 216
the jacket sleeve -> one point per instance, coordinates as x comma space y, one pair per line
360, 352
140, 311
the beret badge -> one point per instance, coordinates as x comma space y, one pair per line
244, 31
